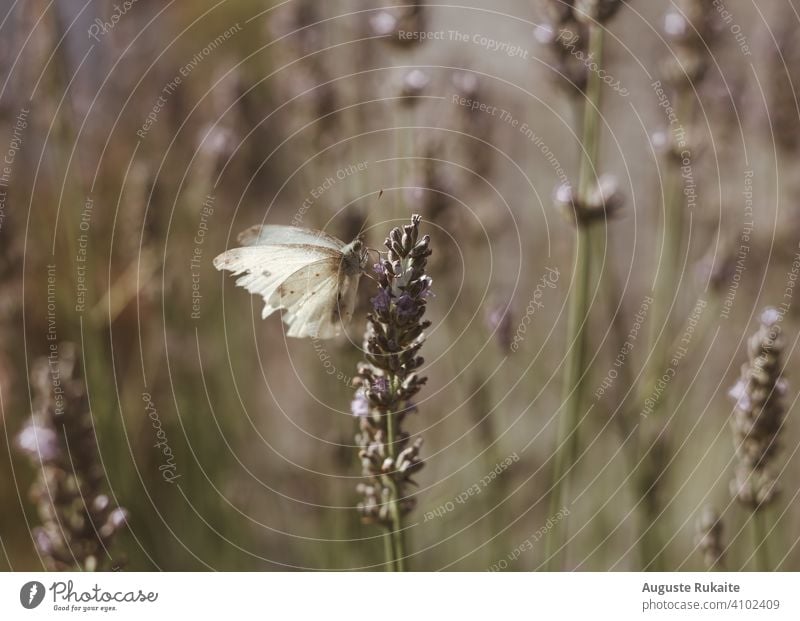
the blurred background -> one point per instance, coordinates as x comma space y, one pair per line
139, 138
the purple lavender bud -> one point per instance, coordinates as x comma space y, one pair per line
39, 443
426, 288
406, 306
118, 518
381, 301
359, 406
101, 503
43, 542
380, 386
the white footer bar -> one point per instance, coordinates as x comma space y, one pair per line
390, 597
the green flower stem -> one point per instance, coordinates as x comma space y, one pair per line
651, 547
567, 447
388, 550
591, 114
759, 523
575, 373
396, 530
670, 259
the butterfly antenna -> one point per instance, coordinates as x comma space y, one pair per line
364, 224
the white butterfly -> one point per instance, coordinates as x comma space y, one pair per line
311, 275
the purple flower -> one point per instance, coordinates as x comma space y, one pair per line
39, 442
43, 542
380, 386
426, 292
118, 518
101, 503
359, 406
389, 379
381, 301
739, 393
406, 306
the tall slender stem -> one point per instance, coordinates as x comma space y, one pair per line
575, 372
591, 114
672, 231
760, 541
651, 546
567, 448
388, 551
396, 530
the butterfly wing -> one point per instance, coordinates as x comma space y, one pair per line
348, 290
271, 234
264, 268
318, 299
303, 271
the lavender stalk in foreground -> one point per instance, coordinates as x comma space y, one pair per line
388, 381
78, 521
757, 423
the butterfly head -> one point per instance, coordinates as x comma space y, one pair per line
355, 257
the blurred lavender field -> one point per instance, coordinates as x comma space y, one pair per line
140, 138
